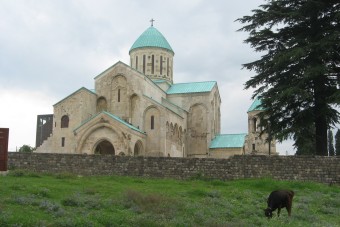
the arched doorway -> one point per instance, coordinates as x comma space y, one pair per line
104, 147
138, 150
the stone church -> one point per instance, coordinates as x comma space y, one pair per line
138, 110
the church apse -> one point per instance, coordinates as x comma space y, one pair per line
152, 127
197, 131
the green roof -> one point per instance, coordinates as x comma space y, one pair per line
123, 122
255, 105
112, 116
151, 38
228, 141
195, 87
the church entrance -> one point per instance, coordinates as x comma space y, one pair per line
104, 147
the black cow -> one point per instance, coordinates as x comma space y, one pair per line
277, 200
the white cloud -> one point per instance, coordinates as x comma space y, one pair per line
49, 49
19, 113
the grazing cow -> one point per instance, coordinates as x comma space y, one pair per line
277, 200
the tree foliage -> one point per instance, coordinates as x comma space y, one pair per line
26, 149
297, 77
305, 141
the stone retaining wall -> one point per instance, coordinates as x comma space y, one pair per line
303, 168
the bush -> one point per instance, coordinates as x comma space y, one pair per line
26, 149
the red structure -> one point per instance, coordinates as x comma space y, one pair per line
3, 148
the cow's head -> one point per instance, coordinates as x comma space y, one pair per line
268, 212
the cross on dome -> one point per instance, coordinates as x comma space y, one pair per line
152, 20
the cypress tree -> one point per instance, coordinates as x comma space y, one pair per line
331, 151
337, 142
297, 77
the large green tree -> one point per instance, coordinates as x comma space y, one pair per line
297, 77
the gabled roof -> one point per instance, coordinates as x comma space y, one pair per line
113, 117
112, 66
92, 91
256, 105
228, 141
151, 37
195, 87
123, 122
125, 65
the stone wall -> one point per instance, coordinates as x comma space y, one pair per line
303, 168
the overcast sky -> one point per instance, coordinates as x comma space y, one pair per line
51, 48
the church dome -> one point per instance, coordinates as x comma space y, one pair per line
151, 37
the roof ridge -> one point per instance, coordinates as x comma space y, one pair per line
196, 82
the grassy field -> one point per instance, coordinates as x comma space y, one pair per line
29, 199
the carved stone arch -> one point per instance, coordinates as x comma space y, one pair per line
148, 112
172, 131
101, 104
134, 109
104, 147
83, 137
118, 79
199, 104
167, 127
180, 131
176, 131
138, 149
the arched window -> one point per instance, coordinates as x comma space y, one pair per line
64, 121
152, 122
118, 95
101, 104
255, 125
136, 62
152, 64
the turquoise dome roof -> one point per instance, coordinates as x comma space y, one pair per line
151, 38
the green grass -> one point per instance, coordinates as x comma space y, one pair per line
29, 199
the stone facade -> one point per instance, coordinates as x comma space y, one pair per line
256, 141
137, 110
303, 168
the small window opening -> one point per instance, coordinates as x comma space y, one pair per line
118, 95
152, 64
136, 62
63, 141
167, 67
161, 65
152, 122
255, 125
144, 64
